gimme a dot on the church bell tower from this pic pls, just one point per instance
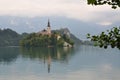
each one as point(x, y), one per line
point(48, 27)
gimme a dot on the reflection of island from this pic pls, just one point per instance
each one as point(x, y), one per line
point(47, 55)
point(8, 54)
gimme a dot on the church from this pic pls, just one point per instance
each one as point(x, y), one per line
point(46, 31)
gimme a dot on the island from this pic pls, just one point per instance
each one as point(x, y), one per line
point(48, 38)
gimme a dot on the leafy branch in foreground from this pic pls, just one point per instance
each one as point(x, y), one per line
point(114, 3)
point(112, 38)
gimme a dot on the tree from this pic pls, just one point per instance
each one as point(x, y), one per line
point(112, 38)
point(113, 3)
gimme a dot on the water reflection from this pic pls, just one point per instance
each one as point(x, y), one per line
point(79, 63)
point(47, 55)
point(8, 55)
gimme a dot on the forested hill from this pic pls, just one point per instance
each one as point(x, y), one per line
point(72, 36)
point(9, 37)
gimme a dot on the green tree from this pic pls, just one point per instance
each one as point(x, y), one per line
point(113, 3)
point(112, 38)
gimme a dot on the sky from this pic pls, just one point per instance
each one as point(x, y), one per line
point(77, 10)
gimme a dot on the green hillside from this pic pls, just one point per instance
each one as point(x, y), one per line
point(9, 37)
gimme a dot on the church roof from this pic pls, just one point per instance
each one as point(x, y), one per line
point(44, 30)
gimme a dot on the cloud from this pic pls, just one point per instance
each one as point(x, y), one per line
point(105, 23)
point(77, 9)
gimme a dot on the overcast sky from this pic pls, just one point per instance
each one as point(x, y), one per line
point(76, 9)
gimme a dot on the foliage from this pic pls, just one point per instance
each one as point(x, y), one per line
point(9, 38)
point(38, 40)
point(112, 38)
point(113, 3)
point(67, 39)
point(73, 38)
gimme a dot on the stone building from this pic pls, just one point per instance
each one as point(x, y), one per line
point(46, 31)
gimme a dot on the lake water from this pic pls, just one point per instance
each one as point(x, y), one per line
point(79, 63)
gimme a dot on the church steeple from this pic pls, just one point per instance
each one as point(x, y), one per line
point(48, 25)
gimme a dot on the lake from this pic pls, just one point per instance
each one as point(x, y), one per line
point(78, 63)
